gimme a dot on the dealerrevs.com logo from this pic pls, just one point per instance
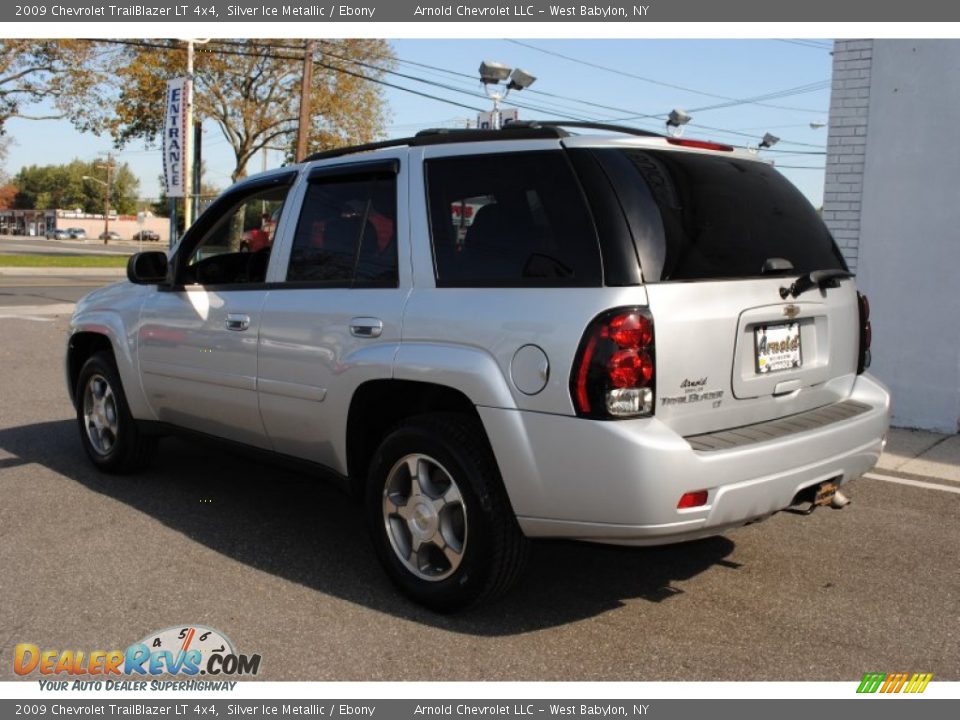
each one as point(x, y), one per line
point(894, 682)
point(188, 650)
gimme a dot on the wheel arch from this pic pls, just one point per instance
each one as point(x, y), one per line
point(104, 331)
point(379, 405)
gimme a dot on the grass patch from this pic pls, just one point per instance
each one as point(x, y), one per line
point(94, 261)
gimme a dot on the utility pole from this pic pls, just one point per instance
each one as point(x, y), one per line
point(303, 131)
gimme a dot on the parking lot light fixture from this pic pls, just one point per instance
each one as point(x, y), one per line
point(492, 74)
point(769, 140)
point(676, 120)
point(520, 80)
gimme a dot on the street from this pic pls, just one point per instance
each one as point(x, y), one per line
point(20, 245)
point(281, 563)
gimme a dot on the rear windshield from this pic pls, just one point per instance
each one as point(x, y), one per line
point(696, 216)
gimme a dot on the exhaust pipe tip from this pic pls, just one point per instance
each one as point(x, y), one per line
point(839, 501)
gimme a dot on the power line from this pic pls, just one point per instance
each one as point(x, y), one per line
point(522, 105)
point(673, 86)
point(812, 44)
point(804, 88)
point(274, 56)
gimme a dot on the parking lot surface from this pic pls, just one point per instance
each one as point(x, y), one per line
point(281, 564)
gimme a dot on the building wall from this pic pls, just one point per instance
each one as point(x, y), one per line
point(898, 216)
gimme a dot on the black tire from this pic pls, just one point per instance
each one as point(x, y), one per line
point(121, 447)
point(493, 548)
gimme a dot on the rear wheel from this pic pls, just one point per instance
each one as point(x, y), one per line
point(109, 434)
point(439, 515)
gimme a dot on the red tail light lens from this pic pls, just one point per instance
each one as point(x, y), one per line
point(692, 499)
point(614, 371)
point(866, 333)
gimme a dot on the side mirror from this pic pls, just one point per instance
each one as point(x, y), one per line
point(147, 268)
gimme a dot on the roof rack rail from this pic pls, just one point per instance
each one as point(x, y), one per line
point(351, 149)
point(587, 125)
point(440, 136)
point(518, 130)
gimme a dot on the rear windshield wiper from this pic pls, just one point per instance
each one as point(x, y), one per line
point(816, 278)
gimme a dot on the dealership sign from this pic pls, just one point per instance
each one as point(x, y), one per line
point(174, 133)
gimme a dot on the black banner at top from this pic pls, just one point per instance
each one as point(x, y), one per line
point(326, 11)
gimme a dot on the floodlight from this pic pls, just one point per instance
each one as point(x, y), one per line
point(769, 140)
point(678, 118)
point(520, 80)
point(492, 73)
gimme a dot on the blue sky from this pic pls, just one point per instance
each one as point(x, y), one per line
point(642, 77)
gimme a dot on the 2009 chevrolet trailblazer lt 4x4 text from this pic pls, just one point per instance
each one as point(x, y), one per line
point(497, 335)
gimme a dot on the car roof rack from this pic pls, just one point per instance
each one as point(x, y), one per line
point(519, 130)
point(588, 125)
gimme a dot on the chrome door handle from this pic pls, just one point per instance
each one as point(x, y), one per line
point(366, 327)
point(238, 322)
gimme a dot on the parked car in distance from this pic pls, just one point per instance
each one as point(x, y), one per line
point(76, 233)
point(57, 234)
point(146, 236)
point(109, 235)
point(631, 339)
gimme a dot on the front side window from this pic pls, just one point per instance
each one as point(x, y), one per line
point(514, 220)
point(347, 233)
point(236, 247)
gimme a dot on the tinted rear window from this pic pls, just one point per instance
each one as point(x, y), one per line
point(697, 216)
point(512, 219)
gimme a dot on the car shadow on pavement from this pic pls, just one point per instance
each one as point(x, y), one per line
point(306, 531)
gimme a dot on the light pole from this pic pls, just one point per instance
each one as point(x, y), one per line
point(493, 73)
point(106, 198)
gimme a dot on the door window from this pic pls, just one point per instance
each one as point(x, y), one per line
point(236, 246)
point(347, 233)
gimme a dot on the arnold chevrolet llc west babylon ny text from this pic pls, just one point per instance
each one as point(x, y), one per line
point(521, 11)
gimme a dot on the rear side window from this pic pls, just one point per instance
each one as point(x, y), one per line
point(347, 233)
point(510, 220)
point(696, 216)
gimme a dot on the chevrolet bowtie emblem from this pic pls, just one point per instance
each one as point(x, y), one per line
point(791, 311)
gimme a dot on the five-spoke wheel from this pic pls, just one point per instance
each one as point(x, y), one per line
point(439, 515)
point(425, 517)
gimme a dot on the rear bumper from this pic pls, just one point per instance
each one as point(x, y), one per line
point(619, 482)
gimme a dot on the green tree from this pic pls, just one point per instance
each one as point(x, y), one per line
point(65, 77)
point(64, 187)
point(251, 90)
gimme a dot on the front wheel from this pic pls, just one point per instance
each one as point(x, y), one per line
point(439, 516)
point(109, 434)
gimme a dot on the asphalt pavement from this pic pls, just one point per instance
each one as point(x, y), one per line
point(26, 245)
point(281, 564)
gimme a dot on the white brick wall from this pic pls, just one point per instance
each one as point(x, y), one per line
point(847, 143)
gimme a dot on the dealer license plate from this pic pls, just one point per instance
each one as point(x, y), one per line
point(777, 347)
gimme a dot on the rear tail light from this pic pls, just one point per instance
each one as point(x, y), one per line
point(866, 333)
point(614, 371)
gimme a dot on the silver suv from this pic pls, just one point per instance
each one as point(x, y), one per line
point(491, 336)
